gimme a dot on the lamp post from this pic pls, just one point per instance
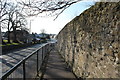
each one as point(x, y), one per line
point(0, 49)
point(30, 25)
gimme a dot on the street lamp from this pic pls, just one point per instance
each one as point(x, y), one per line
point(30, 25)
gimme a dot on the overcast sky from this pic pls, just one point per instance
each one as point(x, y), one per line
point(53, 27)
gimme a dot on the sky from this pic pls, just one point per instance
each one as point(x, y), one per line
point(52, 26)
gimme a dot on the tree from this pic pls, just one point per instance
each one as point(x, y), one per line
point(11, 12)
point(35, 7)
point(3, 11)
point(3, 4)
point(43, 32)
point(29, 8)
point(11, 17)
point(19, 23)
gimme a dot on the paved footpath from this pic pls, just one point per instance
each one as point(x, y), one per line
point(57, 68)
point(12, 58)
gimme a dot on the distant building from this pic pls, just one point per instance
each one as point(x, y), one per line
point(21, 35)
point(52, 36)
point(40, 37)
point(29, 38)
point(3, 35)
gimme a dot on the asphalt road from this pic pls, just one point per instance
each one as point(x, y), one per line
point(11, 59)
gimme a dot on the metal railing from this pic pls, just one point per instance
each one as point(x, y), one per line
point(29, 67)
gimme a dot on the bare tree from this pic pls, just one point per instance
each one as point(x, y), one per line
point(11, 17)
point(19, 23)
point(3, 12)
point(12, 12)
point(43, 32)
point(50, 7)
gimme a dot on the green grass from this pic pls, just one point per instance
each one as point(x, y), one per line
point(15, 43)
point(12, 44)
point(7, 41)
point(8, 44)
point(1, 45)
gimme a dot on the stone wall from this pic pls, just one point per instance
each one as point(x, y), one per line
point(90, 43)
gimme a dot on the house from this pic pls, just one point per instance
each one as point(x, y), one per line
point(52, 36)
point(30, 38)
point(3, 35)
point(21, 35)
point(40, 37)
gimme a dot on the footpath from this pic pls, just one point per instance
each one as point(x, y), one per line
point(57, 69)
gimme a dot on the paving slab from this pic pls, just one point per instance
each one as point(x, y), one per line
point(57, 68)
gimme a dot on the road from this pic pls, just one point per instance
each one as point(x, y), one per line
point(11, 59)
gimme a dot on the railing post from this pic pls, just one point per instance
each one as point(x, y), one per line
point(42, 54)
point(45, 50)
point(24, 72)
point(37, 62)
point(49, 47)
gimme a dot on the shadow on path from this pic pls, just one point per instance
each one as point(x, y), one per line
point(57, 68)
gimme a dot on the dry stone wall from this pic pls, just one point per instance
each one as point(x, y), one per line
point(90, 43)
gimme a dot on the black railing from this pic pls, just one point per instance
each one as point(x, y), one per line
point(29, 67)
